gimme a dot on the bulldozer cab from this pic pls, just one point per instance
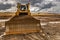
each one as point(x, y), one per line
point(23, 9)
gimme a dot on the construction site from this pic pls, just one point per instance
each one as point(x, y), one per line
point(24, 25)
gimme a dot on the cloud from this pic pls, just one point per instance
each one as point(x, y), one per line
point(36, 5)
point(47, 6)
point(4, 7)
point(23, 1)
point(7, 5)
point(42, 5)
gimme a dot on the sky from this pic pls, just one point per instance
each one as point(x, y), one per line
point(35, 5)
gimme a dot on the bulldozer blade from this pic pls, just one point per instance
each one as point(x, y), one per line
point(22, 25)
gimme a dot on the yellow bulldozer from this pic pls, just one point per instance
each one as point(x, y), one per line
point(22, 22)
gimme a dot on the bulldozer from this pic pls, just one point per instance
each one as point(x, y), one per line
point(22, 22)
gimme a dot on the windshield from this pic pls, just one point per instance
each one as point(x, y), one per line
point(23, 7)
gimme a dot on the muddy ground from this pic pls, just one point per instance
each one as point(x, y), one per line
point(50, 26)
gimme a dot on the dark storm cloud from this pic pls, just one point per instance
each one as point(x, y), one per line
point(5, 6)
point(6, 0)
point(33, 2)
point(23, 1)
point(48, 6)
point(58, 0)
